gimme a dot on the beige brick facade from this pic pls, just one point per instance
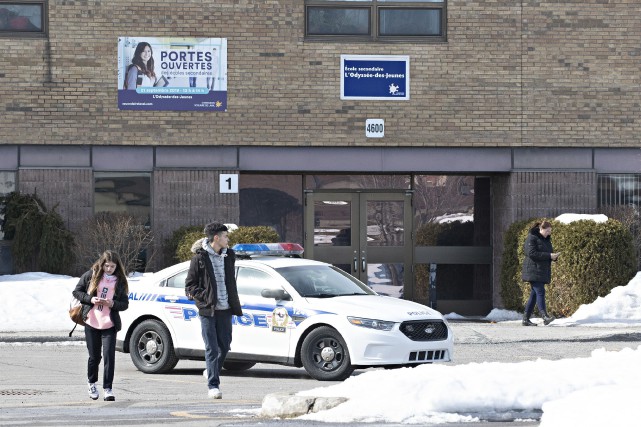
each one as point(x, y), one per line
point(528, 73)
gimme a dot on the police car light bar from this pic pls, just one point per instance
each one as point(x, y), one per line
point(273, 249)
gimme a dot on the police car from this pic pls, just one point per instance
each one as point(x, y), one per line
point(296, 312)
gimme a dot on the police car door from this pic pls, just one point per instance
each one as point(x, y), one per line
point(265, 327)
point(181, 313)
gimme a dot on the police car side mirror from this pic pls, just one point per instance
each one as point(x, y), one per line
point(278, 294)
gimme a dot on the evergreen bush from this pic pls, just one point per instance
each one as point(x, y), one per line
point(41, 242)
point(595, 257)
point(187, 240)
point(173, 245)
point(510, 291)
point(253, 234)
point(243, 234)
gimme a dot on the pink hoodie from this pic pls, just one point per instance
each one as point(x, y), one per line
point(99, 315)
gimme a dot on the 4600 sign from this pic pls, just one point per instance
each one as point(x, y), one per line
point(374, 128)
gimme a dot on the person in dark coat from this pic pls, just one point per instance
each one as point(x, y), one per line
point(104, 293)
point(537, 269)
point(211, 283)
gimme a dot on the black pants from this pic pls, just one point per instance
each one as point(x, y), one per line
point(97, 340)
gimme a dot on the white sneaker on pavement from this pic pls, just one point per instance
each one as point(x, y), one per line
point(109, 395)
point(93, 391)
point(215, 393)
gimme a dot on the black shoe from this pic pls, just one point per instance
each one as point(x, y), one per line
point(548, 319)
point(526, 322)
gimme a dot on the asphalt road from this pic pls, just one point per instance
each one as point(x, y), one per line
point(43, 381)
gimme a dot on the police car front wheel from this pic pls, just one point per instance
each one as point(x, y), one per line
point(151, 348)
point(325, 356)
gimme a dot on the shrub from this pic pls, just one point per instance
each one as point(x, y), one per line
point(629, 216)
point(595, 257)
point(253, 234)
point(183, 250)
point(120, 232)
point(41, 241)
point(173, 245)
point(511, 292)
point(244, 234)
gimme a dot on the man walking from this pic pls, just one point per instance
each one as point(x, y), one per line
point(211, 283)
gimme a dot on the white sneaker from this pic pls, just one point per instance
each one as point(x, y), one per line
point(93, 391)
point(215, 393)
point(109, 395)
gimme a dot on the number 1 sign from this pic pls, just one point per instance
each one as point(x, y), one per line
point(229, 183)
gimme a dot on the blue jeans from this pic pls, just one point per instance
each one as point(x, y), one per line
point(537, 295)
point(216, 332)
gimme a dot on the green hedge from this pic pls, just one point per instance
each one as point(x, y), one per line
point(41, 242)
point(595, 257)
point(181, 241)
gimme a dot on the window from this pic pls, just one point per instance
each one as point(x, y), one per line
point(252, 282)
point(23, 18)
point(177, 281)
point(123, 192)
point(275, 201)
point(376, 20)
point(7, 185)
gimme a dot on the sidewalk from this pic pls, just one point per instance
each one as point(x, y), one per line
point(470, 332)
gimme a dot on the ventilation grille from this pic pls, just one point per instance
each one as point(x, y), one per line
point(424, 330)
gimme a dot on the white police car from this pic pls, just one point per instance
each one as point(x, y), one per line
point(296, 312)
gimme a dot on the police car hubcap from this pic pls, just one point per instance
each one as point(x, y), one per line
point(328, 354)
point(151, 347)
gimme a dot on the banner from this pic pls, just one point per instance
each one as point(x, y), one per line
point(375, 77)
point(172, 73)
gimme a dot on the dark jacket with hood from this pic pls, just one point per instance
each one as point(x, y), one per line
point(200, 283)
point(121, 299)
point(537, 265)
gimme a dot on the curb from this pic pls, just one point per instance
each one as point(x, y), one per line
point(41, 337)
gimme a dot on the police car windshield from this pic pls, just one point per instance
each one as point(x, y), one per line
point(323, 281)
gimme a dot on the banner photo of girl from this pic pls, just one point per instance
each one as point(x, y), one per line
point(172, 73)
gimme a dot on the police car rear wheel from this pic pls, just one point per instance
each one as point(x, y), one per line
point(325, 356)
point(238, 366)
point(152, 349)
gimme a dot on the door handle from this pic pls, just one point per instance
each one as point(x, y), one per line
point(355, 263)
point(363, 263)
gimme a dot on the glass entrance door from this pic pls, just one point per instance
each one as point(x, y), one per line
point(366, 234)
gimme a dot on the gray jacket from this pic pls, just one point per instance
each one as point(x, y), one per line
point(537, 265)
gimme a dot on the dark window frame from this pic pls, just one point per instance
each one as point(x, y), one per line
point(375, 7)
point(44, 10)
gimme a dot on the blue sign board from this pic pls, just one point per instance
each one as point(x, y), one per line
point(375, 77)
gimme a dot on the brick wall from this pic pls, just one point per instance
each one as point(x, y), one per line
point(183, 197)
point(531, 73)
point(70, 191)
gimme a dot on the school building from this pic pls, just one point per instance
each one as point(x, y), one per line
point(395, 139)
